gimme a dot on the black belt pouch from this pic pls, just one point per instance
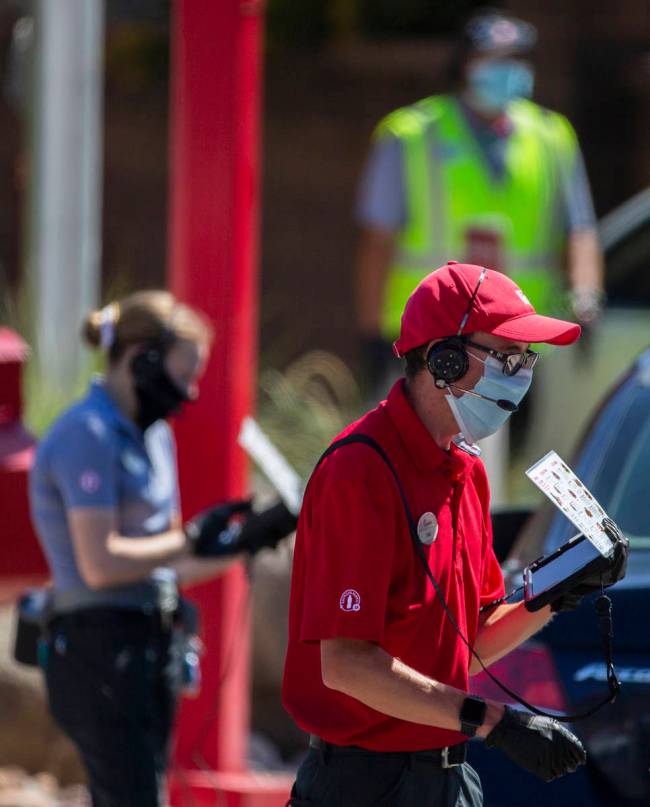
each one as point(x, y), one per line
point(32, 611)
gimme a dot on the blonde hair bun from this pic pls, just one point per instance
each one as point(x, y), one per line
point(144, 316)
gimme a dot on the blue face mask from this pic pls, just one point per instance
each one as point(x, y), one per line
point(478, 418)
point(493, 85)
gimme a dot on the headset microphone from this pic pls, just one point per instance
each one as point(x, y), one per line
point(502, 403)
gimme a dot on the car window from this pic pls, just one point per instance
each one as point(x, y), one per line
point(615, 465)
point(630, 500)
point(627, 277)
point(625, 237)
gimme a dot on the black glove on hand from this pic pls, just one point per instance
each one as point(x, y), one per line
point(214, 532)
point(619, 566)
point(568, 602)
point(267, 529)
point(217, 533)
point(540, 745)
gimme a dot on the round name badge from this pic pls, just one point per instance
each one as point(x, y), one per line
point(427, 528)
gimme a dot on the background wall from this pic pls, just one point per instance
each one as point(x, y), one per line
point(334, 67)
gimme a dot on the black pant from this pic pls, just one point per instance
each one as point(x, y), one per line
point(370, 779)
point(113, 678)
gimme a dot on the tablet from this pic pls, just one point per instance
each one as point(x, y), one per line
point(550, 577)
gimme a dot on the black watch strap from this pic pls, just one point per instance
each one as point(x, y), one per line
point(472, 715)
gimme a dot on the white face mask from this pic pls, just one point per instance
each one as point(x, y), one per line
point(477, 417)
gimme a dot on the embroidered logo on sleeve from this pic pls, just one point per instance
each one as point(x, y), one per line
point(350, 600)
point(90, 481)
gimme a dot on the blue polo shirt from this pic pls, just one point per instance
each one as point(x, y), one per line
point(94, 456)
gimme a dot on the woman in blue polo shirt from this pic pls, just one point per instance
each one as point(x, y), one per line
point(104, 498)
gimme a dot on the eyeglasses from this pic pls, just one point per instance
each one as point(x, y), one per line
point(512, 362)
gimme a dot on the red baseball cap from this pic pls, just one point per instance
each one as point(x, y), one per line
point(439, 304)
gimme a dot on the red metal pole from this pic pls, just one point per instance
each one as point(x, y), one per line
point(213, 255)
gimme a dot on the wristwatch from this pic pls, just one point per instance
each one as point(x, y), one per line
point(472, 715)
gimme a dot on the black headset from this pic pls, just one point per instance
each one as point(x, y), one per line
point(146, 363)
point(447, 361)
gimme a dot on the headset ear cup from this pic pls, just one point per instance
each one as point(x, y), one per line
point(448, 361)
point(147, 362)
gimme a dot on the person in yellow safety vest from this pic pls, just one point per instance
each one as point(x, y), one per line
point(482, 175)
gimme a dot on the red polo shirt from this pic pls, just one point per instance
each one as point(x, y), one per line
point(356, 574)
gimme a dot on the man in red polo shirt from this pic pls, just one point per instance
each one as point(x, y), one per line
point(376, 671)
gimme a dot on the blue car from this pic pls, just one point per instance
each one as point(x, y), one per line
point(563, 669)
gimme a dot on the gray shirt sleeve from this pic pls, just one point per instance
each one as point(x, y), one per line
point(83, 464)
point(576, 196)
point(381, 198)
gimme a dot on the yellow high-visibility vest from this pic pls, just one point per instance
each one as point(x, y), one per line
point(450, 192)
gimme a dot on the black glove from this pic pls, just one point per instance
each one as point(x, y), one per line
point(215, 532)
point(232, 527)
point(567, 602)
point(570, 601)
point(618, 568)
point(540, 745)
point(267, 529)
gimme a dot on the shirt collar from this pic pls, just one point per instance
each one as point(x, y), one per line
point(500, 127)
point(102, 400)
point(422, 449)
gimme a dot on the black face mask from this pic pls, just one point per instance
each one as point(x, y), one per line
point(157, 395)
